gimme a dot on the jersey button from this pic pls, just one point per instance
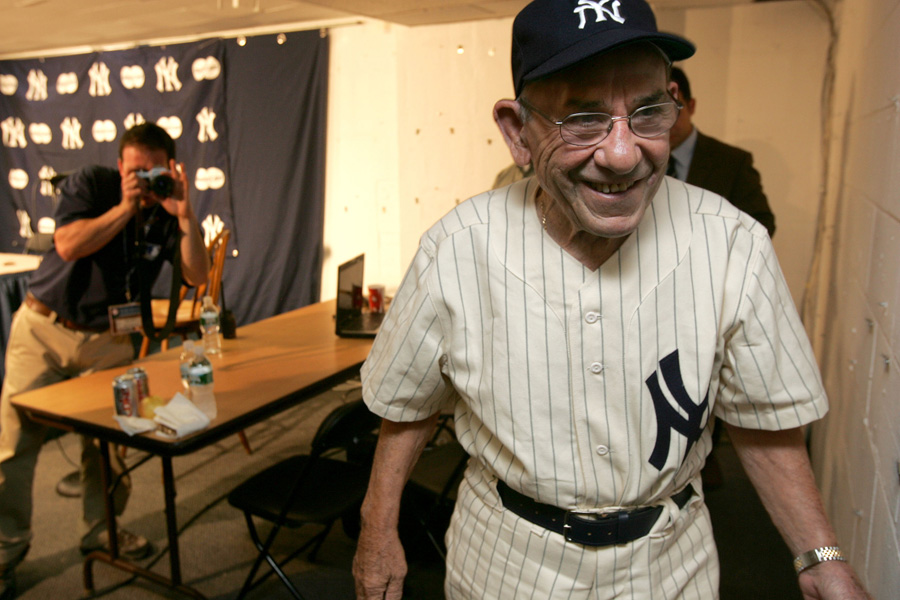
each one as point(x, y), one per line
point(596, 368)
point(602, 450)
point(592, 317)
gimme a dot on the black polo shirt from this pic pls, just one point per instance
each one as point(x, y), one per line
point(83, 289)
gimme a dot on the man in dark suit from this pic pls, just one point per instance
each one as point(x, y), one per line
point(713, 165)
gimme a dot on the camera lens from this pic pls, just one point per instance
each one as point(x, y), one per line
point(162, 186)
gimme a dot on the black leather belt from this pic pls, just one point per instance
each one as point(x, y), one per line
point(589, 529)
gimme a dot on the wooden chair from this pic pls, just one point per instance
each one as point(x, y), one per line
point(187, 319)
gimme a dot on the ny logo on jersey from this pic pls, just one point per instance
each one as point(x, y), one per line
point(667, 416)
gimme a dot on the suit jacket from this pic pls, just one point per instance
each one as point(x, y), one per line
point(728, 171)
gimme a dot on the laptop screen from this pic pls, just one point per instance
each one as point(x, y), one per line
point(351, 320)
point(350, 282)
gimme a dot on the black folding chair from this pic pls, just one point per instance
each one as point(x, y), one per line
point(308, 488)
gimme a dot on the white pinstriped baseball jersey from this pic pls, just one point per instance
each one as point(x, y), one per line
point(585, 388)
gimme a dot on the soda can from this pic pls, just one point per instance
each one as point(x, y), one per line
point(376, 298)
point(143, 384)
point(126, 394)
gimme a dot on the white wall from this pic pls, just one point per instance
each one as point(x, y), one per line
point(410, 133)
point(362, 177)
point(856, 295)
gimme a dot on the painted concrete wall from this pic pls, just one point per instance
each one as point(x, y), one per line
point(854, 312)
point(410, 134)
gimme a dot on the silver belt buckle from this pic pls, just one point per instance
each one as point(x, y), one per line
point(567, 527)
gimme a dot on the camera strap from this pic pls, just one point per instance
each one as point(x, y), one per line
point(150, 331)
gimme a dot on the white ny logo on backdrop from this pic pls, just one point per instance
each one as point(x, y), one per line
point(24, 224)
point(37, 85)
point(212, 226)
point(71, 130)
point(206, 119)
point(99, 75)
point(167, 75)
point(13, 132)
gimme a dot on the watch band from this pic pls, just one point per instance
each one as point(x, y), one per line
point(816, 556)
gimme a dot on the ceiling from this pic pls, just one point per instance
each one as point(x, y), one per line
point(52, 27)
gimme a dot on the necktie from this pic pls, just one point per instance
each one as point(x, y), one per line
point(671, 169)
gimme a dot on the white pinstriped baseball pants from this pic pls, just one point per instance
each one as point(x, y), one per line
point(494, 554)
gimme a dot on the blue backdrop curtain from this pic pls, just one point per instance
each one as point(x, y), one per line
point(276, 105)
point(249, 124)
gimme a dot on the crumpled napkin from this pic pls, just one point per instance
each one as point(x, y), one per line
point(180, 417)
point(134, 425)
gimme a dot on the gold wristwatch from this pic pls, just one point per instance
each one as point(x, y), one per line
point(816, 556)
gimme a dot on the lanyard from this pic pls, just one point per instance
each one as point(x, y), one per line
point(135, 249)
point(141, 229)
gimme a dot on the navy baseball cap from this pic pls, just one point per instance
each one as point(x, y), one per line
point(551, 35)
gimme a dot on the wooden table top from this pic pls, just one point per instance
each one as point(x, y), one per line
point(271, 365)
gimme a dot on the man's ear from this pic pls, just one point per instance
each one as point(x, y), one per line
point(672, 88)
point(506, 115)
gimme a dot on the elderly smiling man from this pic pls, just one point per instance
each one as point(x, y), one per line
point(585, 325)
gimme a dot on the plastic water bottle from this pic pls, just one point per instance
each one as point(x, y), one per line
point(209, 325)
point(200, 374)
point(184, 364)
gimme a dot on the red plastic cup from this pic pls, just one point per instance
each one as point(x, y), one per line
point(376, 298)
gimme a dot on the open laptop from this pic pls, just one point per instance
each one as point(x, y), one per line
point(351, 320)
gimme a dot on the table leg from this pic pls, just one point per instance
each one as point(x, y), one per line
point(111, 527)
point(112, 557)
point(171, 520)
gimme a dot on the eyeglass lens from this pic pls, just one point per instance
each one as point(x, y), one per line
point(587, 129)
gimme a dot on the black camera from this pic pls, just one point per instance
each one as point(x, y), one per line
point(157, 182)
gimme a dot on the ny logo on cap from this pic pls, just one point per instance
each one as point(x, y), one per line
point(600, 10)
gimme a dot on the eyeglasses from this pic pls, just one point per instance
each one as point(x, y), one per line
point(591, 128)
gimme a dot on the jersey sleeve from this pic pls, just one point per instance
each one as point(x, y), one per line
point(402, 376)
point(769, 377)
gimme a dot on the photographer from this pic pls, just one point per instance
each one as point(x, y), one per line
point(114, 230)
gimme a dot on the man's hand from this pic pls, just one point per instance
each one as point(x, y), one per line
point(831, 580)
point(379, 566)
point(133, 190)
point(178, 205)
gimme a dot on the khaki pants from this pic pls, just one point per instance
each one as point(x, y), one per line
point(41, 352)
